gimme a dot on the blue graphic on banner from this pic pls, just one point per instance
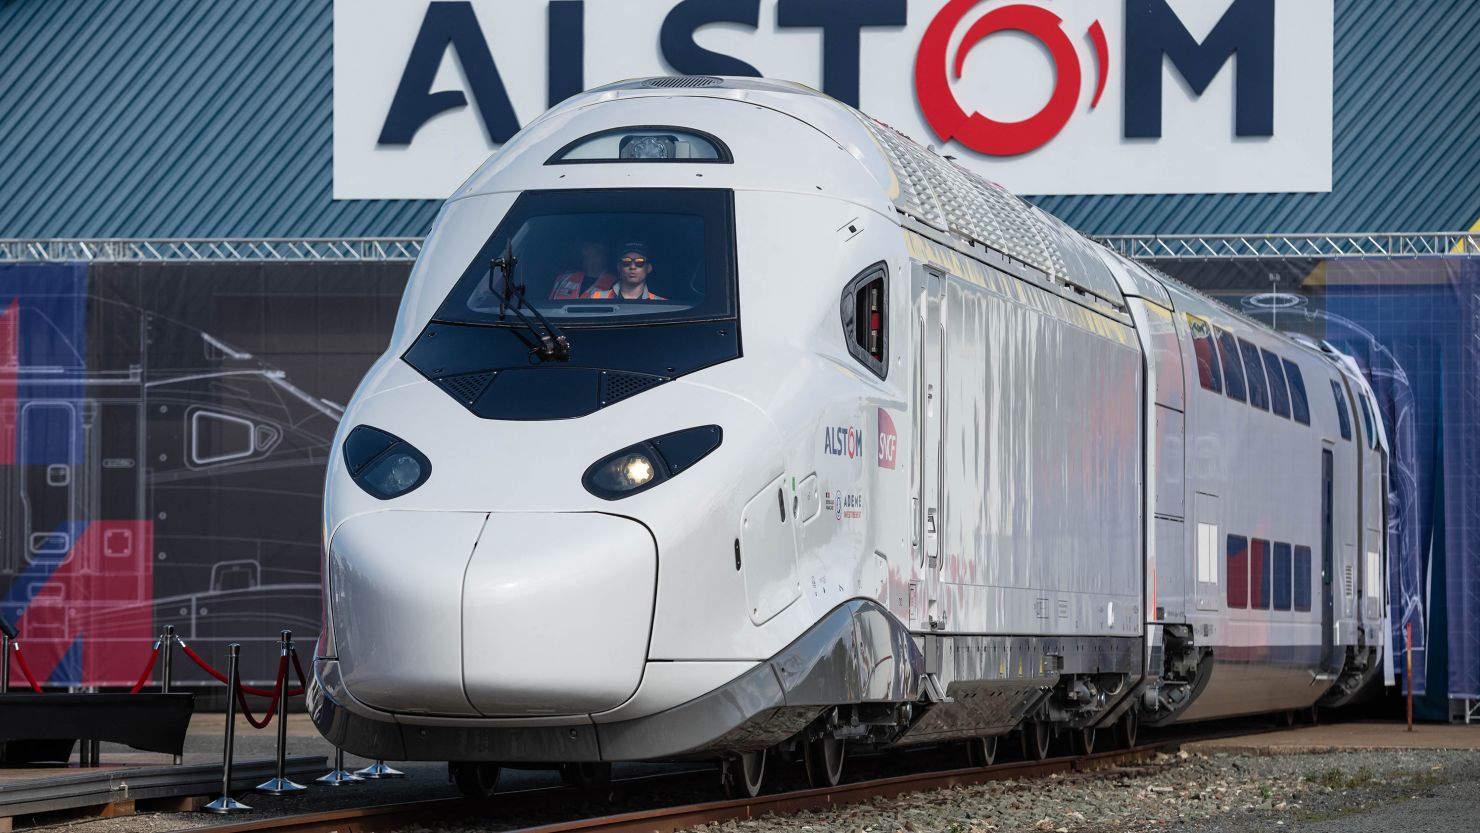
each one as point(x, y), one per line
point(1413, 324)
point(47, 305)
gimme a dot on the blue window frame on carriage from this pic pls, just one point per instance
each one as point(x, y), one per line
point(574, 250)
point(865, 312)
point(1282, 576)
point(1233, 367)
point(1238, 571)
point(1299, 401)
point(1342, 414)
point(1369, 426)
point(1259, 574)
point(644, 144)
point(1254, 372)
point(1302, 578)
point(1279, 392)
point(1206, 352)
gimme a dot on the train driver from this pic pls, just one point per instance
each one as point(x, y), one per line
point(576, 283)
point(632, 271)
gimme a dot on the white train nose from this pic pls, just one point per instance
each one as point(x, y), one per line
point(512, 614)
point(557, 609)
point(395, 600)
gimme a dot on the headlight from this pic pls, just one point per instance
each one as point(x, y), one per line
point(383, 464)
point(642, 466)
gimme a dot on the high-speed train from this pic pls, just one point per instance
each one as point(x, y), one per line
point(720, 418)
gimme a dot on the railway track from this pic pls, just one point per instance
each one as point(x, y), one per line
point(393, 817)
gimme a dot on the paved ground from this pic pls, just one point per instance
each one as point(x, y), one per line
point(1342, 736)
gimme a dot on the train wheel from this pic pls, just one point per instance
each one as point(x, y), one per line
point(981, 751)
point(743, 775)
point(1084, 741)
point(824, 758)
point(595, 776)
point(1313, 715)
point(1287, 718)
point(1037, 736)
point(474, 780)
point(1128, 727)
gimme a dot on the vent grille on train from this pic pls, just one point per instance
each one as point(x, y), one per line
point(1347, 579)
point(467, 387)
point(618, 386)
point(676, 82)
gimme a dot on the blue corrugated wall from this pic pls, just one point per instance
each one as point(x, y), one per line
point(213, 119)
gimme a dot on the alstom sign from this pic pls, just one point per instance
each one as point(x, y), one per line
point(1044, 96)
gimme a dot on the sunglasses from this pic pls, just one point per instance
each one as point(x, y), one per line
point(639, 262)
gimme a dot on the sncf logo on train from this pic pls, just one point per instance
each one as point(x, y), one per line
point(1043, 96)
point(888, 440)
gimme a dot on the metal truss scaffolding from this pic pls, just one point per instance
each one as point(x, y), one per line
point(393, 249)
point(235, 250)
point(1284, 246)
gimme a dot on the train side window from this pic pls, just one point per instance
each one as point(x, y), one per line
point(1233, 368)
point(1282, 575)
point(1238, 571)
point(1302, 578)
point(1299, 401)
point(865, 311)
point(1342, 414)
point(1207, 354)
point(1368, 424)
point(1254, 367)
point(1279, 392)
point(1259, 574)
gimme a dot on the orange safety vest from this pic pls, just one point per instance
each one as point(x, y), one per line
point(568, 285)
point(614, 292)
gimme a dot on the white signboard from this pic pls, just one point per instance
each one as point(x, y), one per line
point(1060, 97)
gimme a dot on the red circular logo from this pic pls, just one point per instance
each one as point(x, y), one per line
point(976, 131)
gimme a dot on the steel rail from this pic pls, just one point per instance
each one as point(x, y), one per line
point(391, 817)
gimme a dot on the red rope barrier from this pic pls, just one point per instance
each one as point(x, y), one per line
point(148, 671)
point(241, 699)
point(206, 667)
point(20, 659)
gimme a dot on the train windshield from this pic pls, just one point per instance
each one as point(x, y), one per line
point(604, 258)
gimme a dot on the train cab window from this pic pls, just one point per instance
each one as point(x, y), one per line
point(1238, 571)
point(865, 318)
point(643, 144)
point(1279, 392)
point(1299, 401)
point(1206, 351)
point(1254, 367)
point(1282, 576)
point(603, 258)
point(1368, 425)
point(1259, 574)
point(1302, 578)
point(1233, 368)
point(1342, 414)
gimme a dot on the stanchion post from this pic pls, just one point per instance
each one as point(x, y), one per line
point(279, 784)
point(227, 804)
point(379, 770)
point(5, 664)
point(340, 776)
point(1408, 676)
point(167, 672)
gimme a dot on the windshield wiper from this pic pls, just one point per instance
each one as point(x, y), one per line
point(552, 342)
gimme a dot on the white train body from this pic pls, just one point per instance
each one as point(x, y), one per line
point(1015, 503)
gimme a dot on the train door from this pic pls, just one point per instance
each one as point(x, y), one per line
point(47, 438)
point(1330, 660)
point(929, 352)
